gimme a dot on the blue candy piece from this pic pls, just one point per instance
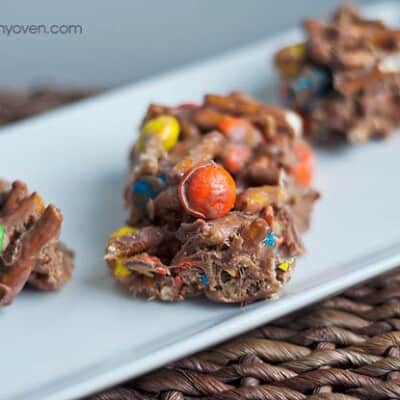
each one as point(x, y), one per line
point(163, 178)
point(302, 83)
point(308, 87)
point(270, 240)
point(144, 188)
point(204, 280)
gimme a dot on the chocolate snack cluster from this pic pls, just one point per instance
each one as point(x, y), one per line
point(217, 195)
point(345, 78)
point(16, 105)
point(30, 250)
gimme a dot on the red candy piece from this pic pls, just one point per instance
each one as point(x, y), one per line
point(304, 170)
point(207, 191)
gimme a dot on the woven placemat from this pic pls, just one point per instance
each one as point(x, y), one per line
point(345, 348)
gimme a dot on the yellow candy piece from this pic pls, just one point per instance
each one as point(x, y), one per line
point(286, 264)
point(39, 203)
point(124, 230)
point(167, 128)
point(120, 271)
point(290, 60)
point(231, 271)
point(256, 198)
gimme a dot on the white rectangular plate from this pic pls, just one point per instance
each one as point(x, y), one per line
point(92, 334)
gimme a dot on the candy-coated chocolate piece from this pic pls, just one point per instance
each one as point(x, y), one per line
point(120, 271)
point(149, 186)
point(237, 129)
point(229, 124)
point(167, 128)
point(303, 171)
point(144, 188)
point(235, 156)
point(233, 272)
point(303, 90)
point(255, 199)
point(270, 240)
point(207, 191)
point(124, 230)
point(40, 203)
point(285, 265)
point(163, 178)
point(2, 238)
point(290, 60)
point(204, 280)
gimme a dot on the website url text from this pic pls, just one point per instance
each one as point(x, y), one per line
point(33, 29)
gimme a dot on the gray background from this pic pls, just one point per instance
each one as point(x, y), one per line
point(124, 41)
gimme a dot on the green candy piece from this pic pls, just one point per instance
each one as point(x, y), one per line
point(2, 237)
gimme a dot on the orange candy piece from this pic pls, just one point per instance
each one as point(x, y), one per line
point(234, 127)
point(229, 124)
point(207, 191)
point(303, 171)
point(235, 157)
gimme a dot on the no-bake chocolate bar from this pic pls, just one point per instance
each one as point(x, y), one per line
point(345, 78)
point(216, 197)
point(30, 250)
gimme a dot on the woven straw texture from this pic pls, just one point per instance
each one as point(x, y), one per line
point(345, 348)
